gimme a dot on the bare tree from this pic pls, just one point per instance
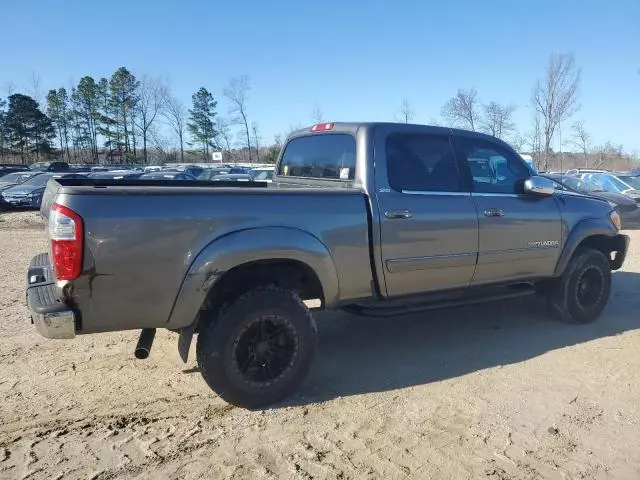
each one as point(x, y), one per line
point(518, 142)
point(581, 139)
point(152, 97)
point(292, 128)
point(175, 114)
point(607, 154)
point(534, 137)
point(498, 119)
point(555, 98)
point(10, 88)
point(36, 90)
point(316, 114)
point(406, 113)
point(161, 145)
point(224, 131)
point(462, 110)
point(256, 139)
point(236, 93)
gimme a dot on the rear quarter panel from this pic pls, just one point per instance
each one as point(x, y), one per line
point(139, 246)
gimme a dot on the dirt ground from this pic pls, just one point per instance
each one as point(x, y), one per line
point(497, 391)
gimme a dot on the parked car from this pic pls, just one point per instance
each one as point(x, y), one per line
point(624, 205)
point(50, 166)
point(632, 182)
point(233, 177)
point(29, 193)
point(262, 174)
point(193, 170)
point(6, 170)
point(16, 178)
point(210, 173)
point(610, 182)
point(166, 175)
point(581, 171)
point(405, 228)
point(114, 175)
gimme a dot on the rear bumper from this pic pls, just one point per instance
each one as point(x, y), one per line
point(51, 316)
point(619, 245)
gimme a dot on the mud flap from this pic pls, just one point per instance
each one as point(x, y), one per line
point(184, 341)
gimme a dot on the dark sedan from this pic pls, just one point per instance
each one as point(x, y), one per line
point(16, 178)
point(29, 194)
point(624, 205)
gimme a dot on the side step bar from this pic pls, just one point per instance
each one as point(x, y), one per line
point(383, 309)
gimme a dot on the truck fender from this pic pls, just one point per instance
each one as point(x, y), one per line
point(246, 246)
point(582, 230)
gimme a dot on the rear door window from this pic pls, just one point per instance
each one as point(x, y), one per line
point(421, 163)
point(326, 156)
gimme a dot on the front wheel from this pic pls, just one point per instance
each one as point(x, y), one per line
point(583, 291)
point(260, 348)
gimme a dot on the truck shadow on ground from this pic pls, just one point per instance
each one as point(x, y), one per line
point(361, 355)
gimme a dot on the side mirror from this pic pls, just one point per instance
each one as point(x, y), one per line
point(539, 186)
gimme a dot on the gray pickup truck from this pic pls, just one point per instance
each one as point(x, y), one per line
point(375, 219)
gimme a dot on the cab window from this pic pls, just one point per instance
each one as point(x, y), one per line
point(326, 156)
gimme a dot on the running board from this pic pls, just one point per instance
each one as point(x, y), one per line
point(383, 309)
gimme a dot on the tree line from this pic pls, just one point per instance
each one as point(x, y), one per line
point(124, 117)
point(554, 101)
point(130, 119)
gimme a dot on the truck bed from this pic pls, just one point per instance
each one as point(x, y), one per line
point(142, 237)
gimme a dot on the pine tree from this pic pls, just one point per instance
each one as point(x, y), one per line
point(123, 88)
point(87, 101)
point(201, 123)
point(106, 116)
point(58, 112)
point(27, 128)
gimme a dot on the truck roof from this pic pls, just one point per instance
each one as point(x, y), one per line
point(352, 127)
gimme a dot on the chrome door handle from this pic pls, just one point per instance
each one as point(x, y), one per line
point(397, 214)
point(494, 212)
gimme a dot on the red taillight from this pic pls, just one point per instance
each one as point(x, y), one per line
point(322, 127)
point(65, 232)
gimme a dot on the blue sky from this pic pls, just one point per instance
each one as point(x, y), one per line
point(356, 59)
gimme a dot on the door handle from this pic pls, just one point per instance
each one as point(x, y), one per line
point(494, 212)
point(397, 214)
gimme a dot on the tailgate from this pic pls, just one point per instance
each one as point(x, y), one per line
point(48, 198)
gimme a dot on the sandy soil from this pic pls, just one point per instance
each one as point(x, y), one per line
point(497, 391)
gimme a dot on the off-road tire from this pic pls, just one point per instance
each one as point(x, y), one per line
point(569, 299)
point(221, 342)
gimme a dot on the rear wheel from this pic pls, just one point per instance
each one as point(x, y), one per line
point(581, 294)
point(260, 348)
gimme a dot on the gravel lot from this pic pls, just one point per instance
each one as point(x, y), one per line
point(497, 391)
